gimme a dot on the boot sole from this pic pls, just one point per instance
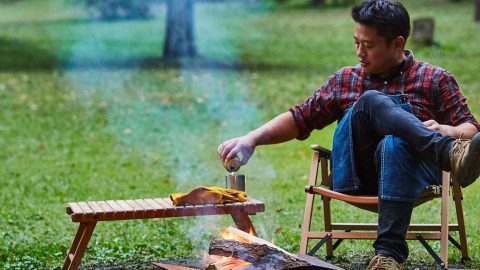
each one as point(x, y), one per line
point(471, 169)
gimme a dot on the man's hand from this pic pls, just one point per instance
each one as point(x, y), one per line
point(280, 129)
point(243, 147)
point(465, 130)
point(434, 125)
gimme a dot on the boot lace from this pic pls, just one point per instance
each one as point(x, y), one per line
point(459, 145)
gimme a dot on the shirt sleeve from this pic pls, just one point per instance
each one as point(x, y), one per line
point(318, 111)
point(453, 108)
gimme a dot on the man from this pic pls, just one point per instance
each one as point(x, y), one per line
point(402, 121)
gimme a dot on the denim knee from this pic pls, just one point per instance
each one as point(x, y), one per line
point(371, 99)
point(403, 172)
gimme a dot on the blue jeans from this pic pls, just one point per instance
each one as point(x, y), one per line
point(379, 147)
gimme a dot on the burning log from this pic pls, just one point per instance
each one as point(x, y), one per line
point(260, 253)
point(226, 264)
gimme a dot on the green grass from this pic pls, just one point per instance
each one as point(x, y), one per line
point(79, 124)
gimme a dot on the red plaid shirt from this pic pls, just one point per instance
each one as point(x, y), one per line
point(433, 93)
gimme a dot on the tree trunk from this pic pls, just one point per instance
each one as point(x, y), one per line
point(179, 38)
point(423, 31)
point(317, 2)
point(477, 10)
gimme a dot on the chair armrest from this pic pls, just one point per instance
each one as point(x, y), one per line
point(340, 196)
point(323, 152)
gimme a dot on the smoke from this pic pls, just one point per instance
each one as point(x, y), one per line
point(178, 116)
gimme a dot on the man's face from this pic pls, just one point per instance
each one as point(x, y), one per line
point(372, 51)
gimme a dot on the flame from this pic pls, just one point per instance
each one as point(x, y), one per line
point(226, 263)
point(244, 238)
point(228, 235)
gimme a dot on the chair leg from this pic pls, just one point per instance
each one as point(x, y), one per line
point(457, 197)
point(307, 222)
point(444, 218)
point(328, 225)
point(79, 244)
point(307, 216)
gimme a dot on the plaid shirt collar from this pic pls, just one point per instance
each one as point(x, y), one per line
point(401, 68)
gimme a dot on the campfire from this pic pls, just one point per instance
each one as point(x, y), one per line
point(216, 262)
point(246, 251)
point(238, 250)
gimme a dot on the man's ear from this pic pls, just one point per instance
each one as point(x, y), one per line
point(399, 42)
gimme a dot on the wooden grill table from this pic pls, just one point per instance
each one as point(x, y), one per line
point(89, 213)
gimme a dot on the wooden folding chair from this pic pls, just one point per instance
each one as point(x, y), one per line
point(320, 167)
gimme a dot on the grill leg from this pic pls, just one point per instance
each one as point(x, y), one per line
point(79, 244)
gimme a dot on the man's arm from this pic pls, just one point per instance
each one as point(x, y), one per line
point(465, 130)
point(280, 129)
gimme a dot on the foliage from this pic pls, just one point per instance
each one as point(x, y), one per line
point(84, 118)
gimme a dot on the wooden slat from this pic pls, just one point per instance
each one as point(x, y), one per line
point(154, 208)
point(95, 207)
point(168, 202)
point(74, 208)
point(99, 214)
point(164, 204)
point(258, 207)
point(139, 212)
point(158, 210)
point(125, 206)
point(86, 216)
point(85, 208)
point(108, 210)
point(117, 208)
point(154, 204)
point(129, 212)
point(169, 211)
point(134, 205)
point(119, 211)
point(149, 210)
point(144, 205)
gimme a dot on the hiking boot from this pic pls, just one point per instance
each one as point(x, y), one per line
point(382, 262)
point(465, 160)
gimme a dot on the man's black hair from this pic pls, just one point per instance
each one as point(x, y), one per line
point(389, 18)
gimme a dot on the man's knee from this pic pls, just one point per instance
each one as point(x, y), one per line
point(370, 98)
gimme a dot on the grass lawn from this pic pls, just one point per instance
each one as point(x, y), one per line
point(79, 124)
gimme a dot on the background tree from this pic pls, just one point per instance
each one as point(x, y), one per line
point(179, 38)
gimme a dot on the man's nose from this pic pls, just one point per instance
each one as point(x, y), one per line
point(360, 51)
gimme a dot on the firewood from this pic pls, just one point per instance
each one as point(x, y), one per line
point(260, 255)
